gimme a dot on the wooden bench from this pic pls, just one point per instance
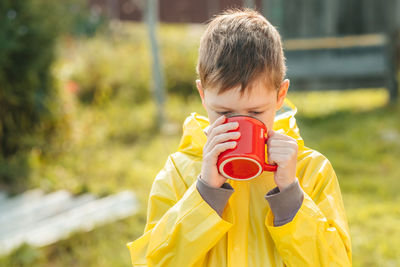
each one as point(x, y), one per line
point(366, 61)
point(40, 219)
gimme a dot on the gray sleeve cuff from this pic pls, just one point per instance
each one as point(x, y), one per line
point(285, 204)
point(217, 198)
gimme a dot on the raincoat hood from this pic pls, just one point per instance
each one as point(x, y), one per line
point(194, 138)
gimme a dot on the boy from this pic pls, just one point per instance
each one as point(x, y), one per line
point(196, 217)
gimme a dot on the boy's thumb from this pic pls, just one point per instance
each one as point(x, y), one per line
point(270, 133)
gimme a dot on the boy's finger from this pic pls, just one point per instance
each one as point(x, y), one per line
point(276, 142)
point(224, 137)
point(218, 149)
point(222, 129)
point(277, 135)
point(217, 122)
point(270, 133)
point(216, 132)
point(282, 137)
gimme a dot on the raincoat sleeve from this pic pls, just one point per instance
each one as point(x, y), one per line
point(318, 235)
point(181, 227)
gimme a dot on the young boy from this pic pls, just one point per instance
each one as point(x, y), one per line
point(196, 217)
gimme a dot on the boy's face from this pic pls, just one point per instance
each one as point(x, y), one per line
point(259, 102)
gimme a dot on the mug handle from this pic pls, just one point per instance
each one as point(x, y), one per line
point(269, 167)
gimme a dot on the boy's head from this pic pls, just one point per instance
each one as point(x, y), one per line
point(241, 54)
point(238, 47)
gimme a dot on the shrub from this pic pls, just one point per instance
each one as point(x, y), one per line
point(28, 102)
point(31, 109)
point(179, 45)
point(118, 62)
point(109, 65)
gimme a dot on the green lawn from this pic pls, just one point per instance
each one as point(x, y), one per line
point(362, 140)
point(111, 145)
point(113, 148)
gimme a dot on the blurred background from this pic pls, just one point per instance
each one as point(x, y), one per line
point(93, 95)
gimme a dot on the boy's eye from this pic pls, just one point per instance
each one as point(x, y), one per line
point(256, 112)
point(224, 112)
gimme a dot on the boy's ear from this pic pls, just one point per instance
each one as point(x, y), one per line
point(282, 93)
point(201, 91)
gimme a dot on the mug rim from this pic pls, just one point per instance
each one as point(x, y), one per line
point(222, 165)
point(231, 116)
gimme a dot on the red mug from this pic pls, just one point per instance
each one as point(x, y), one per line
point(247, 160)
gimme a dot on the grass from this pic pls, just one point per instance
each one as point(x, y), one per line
point(362, 140)
point(112, 146)
point(107, 155)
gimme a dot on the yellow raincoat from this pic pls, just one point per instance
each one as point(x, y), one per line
point(183, 230)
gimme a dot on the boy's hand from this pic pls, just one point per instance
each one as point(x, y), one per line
point(282, 150)
point(217, 142)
